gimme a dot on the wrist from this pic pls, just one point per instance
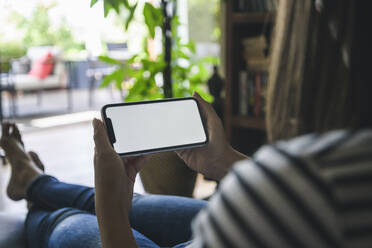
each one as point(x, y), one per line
point(117, 233)
point(114, 225)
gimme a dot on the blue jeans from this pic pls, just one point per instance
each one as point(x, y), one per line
point(63, 215)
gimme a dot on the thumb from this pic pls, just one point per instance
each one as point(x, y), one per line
point(101, 139)
point(205, 106)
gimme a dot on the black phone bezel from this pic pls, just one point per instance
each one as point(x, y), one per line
point(112, 137)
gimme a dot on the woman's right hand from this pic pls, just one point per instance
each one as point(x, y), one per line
point(215, 159)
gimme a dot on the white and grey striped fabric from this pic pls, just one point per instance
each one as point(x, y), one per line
point(311, 191)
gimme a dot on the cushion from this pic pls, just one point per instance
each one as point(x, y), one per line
point(12, 230)
point(27, 82)
point(43, 66)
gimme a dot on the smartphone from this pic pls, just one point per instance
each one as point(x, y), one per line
point(145, 127)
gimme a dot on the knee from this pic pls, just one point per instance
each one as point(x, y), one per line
point(79, 230)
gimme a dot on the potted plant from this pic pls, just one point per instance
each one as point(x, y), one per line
point(173, 73)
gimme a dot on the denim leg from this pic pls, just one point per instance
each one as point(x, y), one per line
point(182, 245)
point(40, 224)
point(48, 192)
point(166, 220)
point(68, 227)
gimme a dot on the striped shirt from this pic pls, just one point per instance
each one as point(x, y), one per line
point(311, 191)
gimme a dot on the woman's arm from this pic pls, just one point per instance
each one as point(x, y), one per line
point(113, 224)
point(114, 180)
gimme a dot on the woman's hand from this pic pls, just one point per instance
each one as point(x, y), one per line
point(114, 181)
point(216, 159)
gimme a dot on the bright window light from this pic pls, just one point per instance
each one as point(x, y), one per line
point(66, 119)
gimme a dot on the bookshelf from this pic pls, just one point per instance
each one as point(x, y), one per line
point(248, 122)
point(246, 131)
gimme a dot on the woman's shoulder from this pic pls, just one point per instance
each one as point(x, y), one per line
point(328, 144)
point(273, 193)
point(314, 156)
point(309, 163)
point(315, 166)
point(288, 187)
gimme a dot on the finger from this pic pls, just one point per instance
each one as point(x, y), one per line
point(95, 157)
point(101, 139)
point(205, 106)
point(137, 159)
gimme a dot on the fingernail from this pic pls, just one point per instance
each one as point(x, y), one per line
point(196, 94)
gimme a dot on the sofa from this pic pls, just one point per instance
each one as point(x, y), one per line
point(20, 80)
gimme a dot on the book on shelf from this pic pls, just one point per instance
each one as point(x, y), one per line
point(253, 79)
point(243, 93)
point(252, 92)
point(255, 53)
point(257, 94)
point(256, 5)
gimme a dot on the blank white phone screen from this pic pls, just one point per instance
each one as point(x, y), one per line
point(148, 126)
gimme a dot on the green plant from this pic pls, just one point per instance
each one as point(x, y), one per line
point(38, 29)
point(174, 73)
point(8, 51)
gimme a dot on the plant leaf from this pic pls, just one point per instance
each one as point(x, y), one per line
point(126, 4)
point(109, 60)
point(107, 80)
point(116, 7)
point(117, 76)
point(93, 2)
point(191, 46)
point(153, 18)
point(106, 8)
point(131, 15)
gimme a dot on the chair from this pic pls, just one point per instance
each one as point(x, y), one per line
point(23, 82)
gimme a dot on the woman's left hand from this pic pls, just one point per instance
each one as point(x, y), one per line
point(113, 174)
point(114, 181)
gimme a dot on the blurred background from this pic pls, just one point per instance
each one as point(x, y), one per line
point(62, 60)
